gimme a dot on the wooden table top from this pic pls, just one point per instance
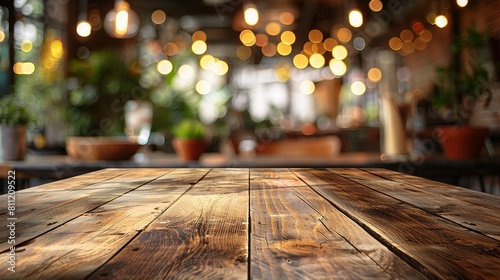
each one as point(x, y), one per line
point(250, 223)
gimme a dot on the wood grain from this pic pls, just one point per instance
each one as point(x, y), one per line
point(59, 208)
point(80, 246)
point(426, 195)
point(202, 236)
point(437, 247)
point(298, 235)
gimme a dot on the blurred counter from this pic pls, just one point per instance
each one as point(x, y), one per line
point(45, 168)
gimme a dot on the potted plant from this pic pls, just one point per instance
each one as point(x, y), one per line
point(460, 87)
point(13, 120)
point(189, 139)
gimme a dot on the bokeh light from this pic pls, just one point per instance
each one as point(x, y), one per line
point(199, 47)
point(374, 75)
point(288, 37)
point(317, 60)
point(273, 28)
point(164, 67)
point(186, 71)
point(300, 61)
point(307, 87)
point(203, 87)
point(158, 17)
point(339, 52)
point(358, 88)
point(338, 67)
point(315, 36)
point(355, 18)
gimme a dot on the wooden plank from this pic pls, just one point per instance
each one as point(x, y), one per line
point(77, 248)
point(437, 247)
point(482, 199)
point(201, 236)
point(297, 234)
point(421, 194)
point(33, 221)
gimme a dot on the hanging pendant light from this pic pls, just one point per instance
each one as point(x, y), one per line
point(122, 21)
point(83, 28)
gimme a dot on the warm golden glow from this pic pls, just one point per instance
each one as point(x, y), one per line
point(395, 43)
point(358, 88)
point(339, 52)
point(199, 47)
point(24, 68)
point(420, 44)
point(406, 35)
point(462, 3)
point(2, 36)
point(376, 5)
point(199, 36)
point(317, 60)
point(355, 18)
point(83, 28)
point(207, 61)
point(300, 61)
point(431, 18)
point(282, 74)
point(374, 75)
point(288, 37)
point(308, 47)
point(243, 52)
point(273, 28)
point(269, 50)
point(164, 67)
point(441, 21)
point(284, 49)
point(261, 39)
point(186, 71)
point(158, 17)
point(338, 67)
point(426, 35)
point(247, 37)
point(171, 49)
point(251, 15)
point(329, 44)
point(408, 47)
point(56, 48)
point(26, 46)
point(315, 36)
point(344, 35)
point(307, 87)
point(203, 87)
point(220, 68)
point(287, 18)
point(121, 23)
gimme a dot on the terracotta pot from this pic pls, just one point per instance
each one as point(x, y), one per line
point(189, 149)
point(462, 142)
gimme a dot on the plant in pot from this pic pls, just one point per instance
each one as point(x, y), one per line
point(13, 120)
point(460, 87)
point(189, 139)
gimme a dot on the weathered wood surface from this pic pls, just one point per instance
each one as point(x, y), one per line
point(252, 223)
point(202, 236)
point(436, 246)
point(297, 234)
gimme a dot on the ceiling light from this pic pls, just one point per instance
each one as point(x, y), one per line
point(251, 15)
point(122, 21)
point(355, 18)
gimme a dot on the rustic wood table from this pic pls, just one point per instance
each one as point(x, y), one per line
point(298, 223)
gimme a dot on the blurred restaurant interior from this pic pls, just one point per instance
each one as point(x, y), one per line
point(274, 83)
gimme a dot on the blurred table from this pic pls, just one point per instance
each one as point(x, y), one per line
point(238, 223)
point(55, 167)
